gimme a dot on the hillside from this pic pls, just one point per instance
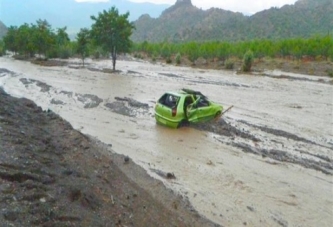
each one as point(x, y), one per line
point(185, 22)
point(3, 29)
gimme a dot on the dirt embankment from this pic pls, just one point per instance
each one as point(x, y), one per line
point(52, 175)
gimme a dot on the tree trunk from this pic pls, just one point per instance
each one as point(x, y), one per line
point(114, 58)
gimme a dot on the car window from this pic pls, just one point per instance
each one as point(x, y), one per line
point(169, 100)
point(202, 102)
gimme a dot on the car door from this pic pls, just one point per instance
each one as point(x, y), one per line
point(200, 110)
point(192, 112)
point(204, 109)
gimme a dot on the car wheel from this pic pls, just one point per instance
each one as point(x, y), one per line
point(183, 123)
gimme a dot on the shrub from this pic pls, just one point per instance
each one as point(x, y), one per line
point(178, 59)
point(2, 48)
point(64, 52)
point(247, 61)
point(229, 64)
point(97, 54)
point(138, 55)
point(168, 60)
point(330, 72)
point(153, 58)
point(53, 53)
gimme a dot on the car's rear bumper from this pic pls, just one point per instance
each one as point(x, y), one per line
point(164, 121)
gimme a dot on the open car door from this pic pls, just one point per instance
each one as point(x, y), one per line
point(192, 111)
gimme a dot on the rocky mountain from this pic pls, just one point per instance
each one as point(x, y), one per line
point(3, 29)
point(185, 22)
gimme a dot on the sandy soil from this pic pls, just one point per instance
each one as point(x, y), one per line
point(268, 162)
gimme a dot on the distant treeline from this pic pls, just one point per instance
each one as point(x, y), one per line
point(318, 47)
point(40, 38)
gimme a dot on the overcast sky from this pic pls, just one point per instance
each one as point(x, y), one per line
point(243, 6)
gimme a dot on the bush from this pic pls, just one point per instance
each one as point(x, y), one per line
point(97, 54)
point(2, 48)
point(53, 53)
point(168, 60)
point(138, 55)
point(64, 52)
point(229, 64)
point(247, 61)
point(178, 59)
point(330, 72)
point(153, 57)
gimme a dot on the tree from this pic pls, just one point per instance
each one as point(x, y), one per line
point(192, 51)
point(10, 39)
point(23, 40)
point(2, 48)
point(43, 37)
point(247, 61)
point(82, 43)
point(62, 37)
point(112, 30)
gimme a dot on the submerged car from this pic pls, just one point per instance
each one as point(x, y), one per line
point(177, 109)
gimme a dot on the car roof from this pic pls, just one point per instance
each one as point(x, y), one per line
point(177, 93)
point(193, 92)
point(185, 91)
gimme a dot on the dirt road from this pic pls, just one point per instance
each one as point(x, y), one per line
point(269, 162)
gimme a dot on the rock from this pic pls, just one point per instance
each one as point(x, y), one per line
point(170, 176)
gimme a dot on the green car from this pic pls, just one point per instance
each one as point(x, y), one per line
point(177, 109)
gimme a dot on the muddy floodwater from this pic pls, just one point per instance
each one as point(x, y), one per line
point(267, 162)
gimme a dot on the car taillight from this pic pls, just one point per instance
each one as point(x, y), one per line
point(174, 112)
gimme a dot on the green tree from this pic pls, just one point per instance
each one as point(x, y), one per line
point(326, 46)
point(43, 37)
point(223, 50)
point(247, 61)
point(165, 51)
point(24, 42)
point(83, 43)
point(2, 47)
point(192, 51)
point(62, 37)
point(10, 39)
point(112, 30)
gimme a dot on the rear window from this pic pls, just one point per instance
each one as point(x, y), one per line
point(169, 100)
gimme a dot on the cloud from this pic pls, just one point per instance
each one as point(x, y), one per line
point(243, 6)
